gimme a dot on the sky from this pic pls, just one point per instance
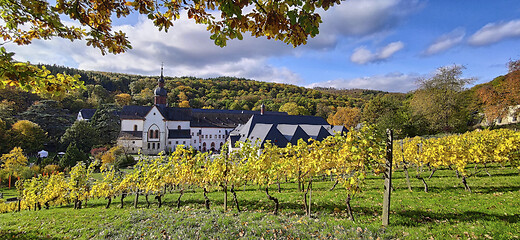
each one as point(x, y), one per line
point(370, 44)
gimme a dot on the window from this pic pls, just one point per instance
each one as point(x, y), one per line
point(132, 149)
point(158, 145)
point(179, 127)
point(221, 144)
point(156, 133)
point(169, 142)
point(148, 145)
point(194, 141)
point(218, 131)
point(192, 134)
point(150, 134)
point(210, 136)
point(176, 142)
point(203, 147)
point(183, 142)
point(135, 128)
point(201, 136)
point(133, 142)
point(153, 145)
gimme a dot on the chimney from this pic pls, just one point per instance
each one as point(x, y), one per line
point(262, 109)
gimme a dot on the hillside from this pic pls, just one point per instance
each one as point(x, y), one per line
point(218, 93)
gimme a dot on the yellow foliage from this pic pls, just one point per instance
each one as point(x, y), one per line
point(13, 160)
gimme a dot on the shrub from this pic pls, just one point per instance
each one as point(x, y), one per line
point(50, 169)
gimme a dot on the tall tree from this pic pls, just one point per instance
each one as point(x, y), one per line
point(31, 136)
point(51, 117)
point(106, 124)
point(72, 156)
point(81, 134)
point(497, 96)
point(346, 116)
point(440, 101)
point(14, 161)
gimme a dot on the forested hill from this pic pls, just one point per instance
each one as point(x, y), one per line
point(218, 93)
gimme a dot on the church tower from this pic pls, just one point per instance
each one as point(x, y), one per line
point(160, 92)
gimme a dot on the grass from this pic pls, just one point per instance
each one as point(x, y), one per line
point(447, 211)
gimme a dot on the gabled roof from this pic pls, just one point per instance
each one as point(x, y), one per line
point(87, 113)
point(289, 127)
point(135, 112)
point(292, 133)
point(317, 132)
point(338, 129)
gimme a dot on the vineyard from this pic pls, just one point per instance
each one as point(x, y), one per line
point(339, 164)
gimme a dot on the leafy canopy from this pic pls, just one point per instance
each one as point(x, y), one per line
point(290, 21)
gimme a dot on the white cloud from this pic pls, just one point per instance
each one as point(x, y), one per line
point(391, 82)
point(362, 55)
point(445, 42)
point(495, 32)
point(366, 17)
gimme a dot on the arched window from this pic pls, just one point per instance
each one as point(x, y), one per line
point(150, 134)
point(156, 134)
point(213, 145)
point(135, 128)
point(204, 147)
point(221, 144)
point(179, 127)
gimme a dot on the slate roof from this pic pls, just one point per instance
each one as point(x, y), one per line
point(176, 134)
point(87, 113)
point(134, 112)
point(283, 129)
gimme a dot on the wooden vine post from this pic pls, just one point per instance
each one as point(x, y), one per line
point(388, 178)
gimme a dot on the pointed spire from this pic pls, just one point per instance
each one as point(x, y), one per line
point(161, 79)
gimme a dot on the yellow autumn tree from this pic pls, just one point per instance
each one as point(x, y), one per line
point(13, 161)
point(346, 116)
point(123, 99)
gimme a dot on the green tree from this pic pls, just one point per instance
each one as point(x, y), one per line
point(390, 112)
point(106, 124)
point(81, 134)
point(440, 100)
point(51, 117)
point(72, 156)
point(31, 136)
point(6, 138)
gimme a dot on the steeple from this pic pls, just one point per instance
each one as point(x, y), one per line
point(160, 92)
point(161, 79)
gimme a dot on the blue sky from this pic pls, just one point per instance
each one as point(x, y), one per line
point(373, 44)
